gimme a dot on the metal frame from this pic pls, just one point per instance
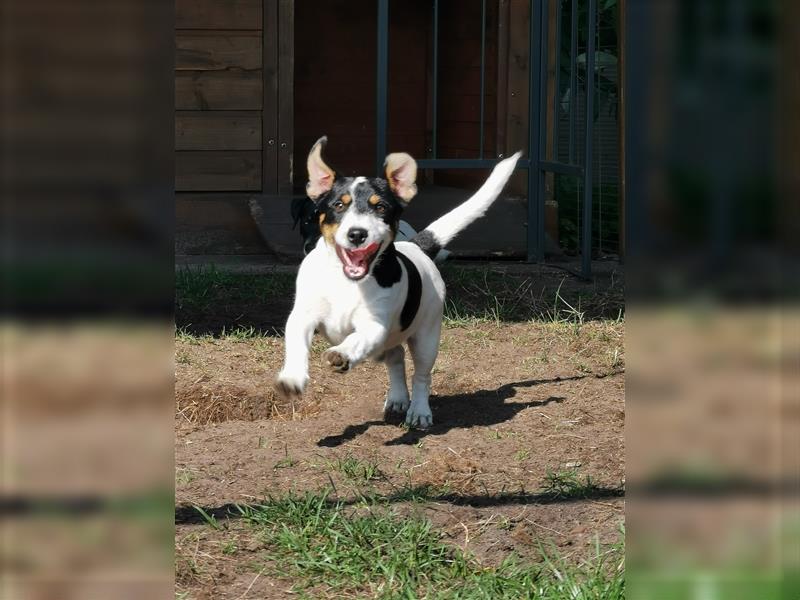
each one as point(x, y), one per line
point(537, 115)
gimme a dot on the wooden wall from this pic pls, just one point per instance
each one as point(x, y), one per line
point(219, 99)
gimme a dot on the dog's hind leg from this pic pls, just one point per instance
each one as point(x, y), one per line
point(397, 398)
point(424, 348)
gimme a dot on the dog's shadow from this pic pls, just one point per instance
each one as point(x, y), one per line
point(460, 411)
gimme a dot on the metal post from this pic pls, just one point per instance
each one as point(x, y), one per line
point(535, 233)
point(483, 66)
point(557, 94)
point(586, 242)
point(573, 78)
point(544, 39)
point(435, 91)
point(383, 84)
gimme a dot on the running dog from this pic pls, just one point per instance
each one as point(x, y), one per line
point(365, 292)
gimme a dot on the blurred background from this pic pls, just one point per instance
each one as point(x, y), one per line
point(712, 409)
point(87, 271)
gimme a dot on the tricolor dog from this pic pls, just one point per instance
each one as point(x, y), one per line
point(365, 292)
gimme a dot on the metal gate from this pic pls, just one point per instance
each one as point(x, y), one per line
point(535, 164)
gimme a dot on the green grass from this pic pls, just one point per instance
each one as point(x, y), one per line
point(211, 520)
point(356, 469)
point(212, 301)
point(229, 547)
point(568, 484)
point(234, 333)
point(202, 288)
point(476, 295)
point(332, 551)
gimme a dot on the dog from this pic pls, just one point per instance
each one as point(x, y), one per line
point(304, 213)
point(367, 293)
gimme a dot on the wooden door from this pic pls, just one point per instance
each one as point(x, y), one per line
point(233, 119)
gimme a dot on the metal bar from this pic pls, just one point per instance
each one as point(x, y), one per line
point(561, 168)
point(557, 94)
point(621, 111)
point(535, 225)
point(435, 95)
point(573, 77)
point(483, 67)
point(465, 163)
point(586, 242)
point(544, 24)
point(383, 84)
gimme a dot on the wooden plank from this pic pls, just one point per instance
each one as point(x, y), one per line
point(269, 133)
point(285, 96)
point(217, 171)
point(218, 14)
point(218, 130)
point(217, 50)
point(218, 90)
point(216, 223)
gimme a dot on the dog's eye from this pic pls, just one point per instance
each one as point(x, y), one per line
point(380, 208)
point(338, 206)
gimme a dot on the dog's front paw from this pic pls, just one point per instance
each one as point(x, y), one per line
point(288, 385)
point(336, 360)
point(419, 417)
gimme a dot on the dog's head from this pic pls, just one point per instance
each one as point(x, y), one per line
point(358, 216)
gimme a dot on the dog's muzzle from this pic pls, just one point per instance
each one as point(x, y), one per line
point(356, 261)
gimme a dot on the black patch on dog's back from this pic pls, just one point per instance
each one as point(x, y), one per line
point(414, 295)
point(427, 242)
point(387, 272)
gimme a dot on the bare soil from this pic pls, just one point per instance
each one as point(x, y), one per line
point(511, 401)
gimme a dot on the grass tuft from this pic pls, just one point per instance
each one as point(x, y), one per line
point(569, 484)
point(356, 469)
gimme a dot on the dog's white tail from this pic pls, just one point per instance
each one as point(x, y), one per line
point(439, 233)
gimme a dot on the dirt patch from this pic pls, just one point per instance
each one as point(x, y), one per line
point(512, 403)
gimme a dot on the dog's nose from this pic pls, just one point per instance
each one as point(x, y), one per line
point(357, 235)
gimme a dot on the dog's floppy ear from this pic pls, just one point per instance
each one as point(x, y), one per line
point(401, 173)
point(297, 209)
point(320, 175)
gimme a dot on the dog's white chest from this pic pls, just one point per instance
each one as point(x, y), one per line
point(337, 325)
point(341, 300)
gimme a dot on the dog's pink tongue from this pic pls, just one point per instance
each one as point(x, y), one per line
point(356, 264)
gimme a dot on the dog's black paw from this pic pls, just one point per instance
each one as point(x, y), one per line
point(337, 361)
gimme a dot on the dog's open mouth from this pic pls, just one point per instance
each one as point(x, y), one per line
point(355, 263)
